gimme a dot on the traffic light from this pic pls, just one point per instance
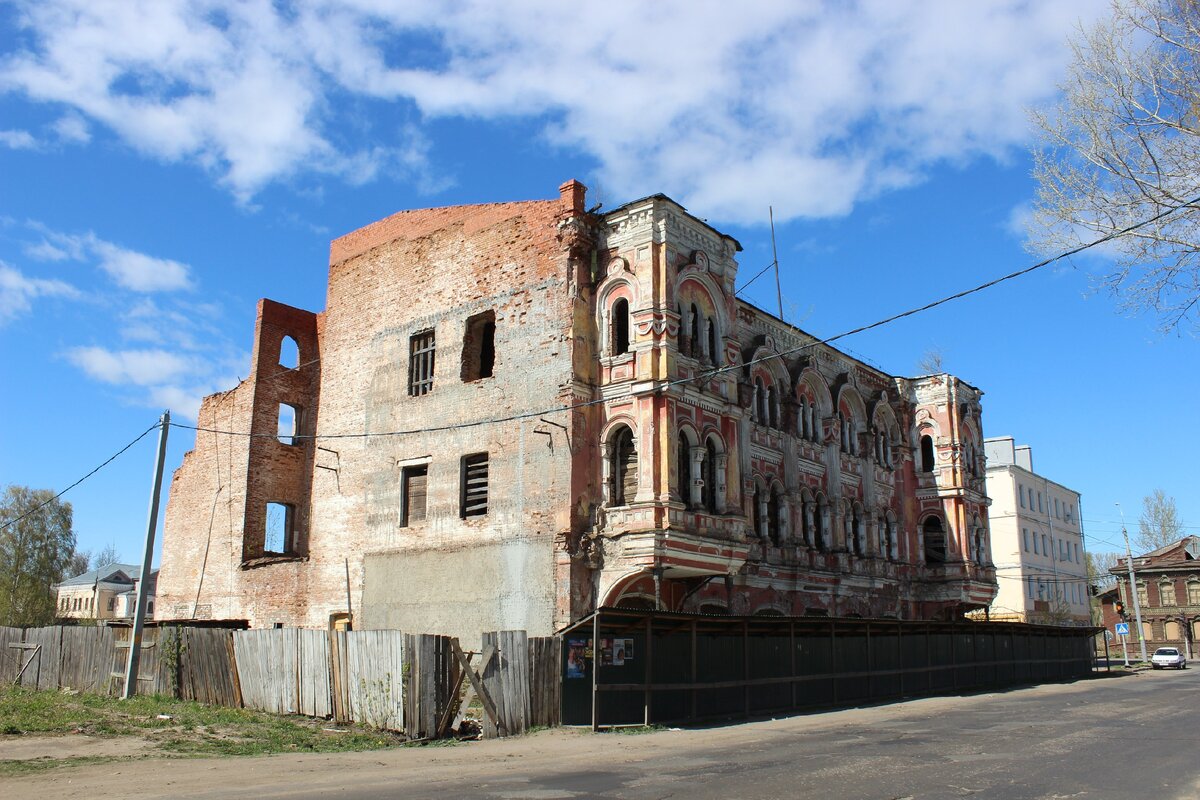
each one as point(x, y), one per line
point(1119, 607)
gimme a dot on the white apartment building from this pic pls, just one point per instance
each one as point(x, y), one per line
point(1037, 541)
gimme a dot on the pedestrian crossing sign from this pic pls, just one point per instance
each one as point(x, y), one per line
point(1122, 629)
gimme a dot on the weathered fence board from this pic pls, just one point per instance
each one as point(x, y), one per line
point(506, 680)
point(545, 680)
point(312, 673)
point(11, 658)
point(86, 658)
point(431, 680)
point(206, 670)
point(266, 666)
point(374, 678)
point(43, 671)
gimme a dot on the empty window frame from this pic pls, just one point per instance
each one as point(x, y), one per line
point(623, 470)
point(421, 348)
point(289, 353)
point(619, 327)
point(710, 477)
point(413, 489)
point(1025, 539)
point(279, 528)
point(474, 485)
point(479, 347)
point(289, 424)
point(928, 460)
point(1041, 508)
point(1021, 492)
point(935, 541)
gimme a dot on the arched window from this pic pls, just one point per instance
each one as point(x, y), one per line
point(759, 411)
point(774, 516)
point(772, 407)
point(756, 511)
point(714, 353)
point(289, 353)
point(844, 426)
point(684, 466)
point(710, 476)
point(1193, 589)
point(697, 344)
point(803, 428)
point(820, 524)
point(927, 455)
point(935, 541)
point(620, 327)
point(624, 467)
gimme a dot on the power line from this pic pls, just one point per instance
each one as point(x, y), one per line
point(111, 459)
point(705, 375)
point(757, 275)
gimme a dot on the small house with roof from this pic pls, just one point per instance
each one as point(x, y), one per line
point(107, 593)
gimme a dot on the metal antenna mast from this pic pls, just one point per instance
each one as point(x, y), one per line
point(775, 256)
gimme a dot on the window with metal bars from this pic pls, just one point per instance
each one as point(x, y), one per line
point(420, 363)
point(413, 482)
point(474, 501)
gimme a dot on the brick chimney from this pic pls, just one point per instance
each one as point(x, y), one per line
point(572, 193)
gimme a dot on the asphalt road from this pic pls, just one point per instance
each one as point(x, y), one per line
point(1120, 738)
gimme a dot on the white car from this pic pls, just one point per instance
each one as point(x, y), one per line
point(1168, 657)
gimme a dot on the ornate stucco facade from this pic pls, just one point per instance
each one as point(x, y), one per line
point(509, 414)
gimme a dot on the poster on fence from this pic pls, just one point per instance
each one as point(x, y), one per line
point(576, 658)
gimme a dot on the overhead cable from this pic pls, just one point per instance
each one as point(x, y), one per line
point(706, 374)
point(111, 459)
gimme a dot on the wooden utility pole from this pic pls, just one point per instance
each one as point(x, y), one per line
point(139, 614)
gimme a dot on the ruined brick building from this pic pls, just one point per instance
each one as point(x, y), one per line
point(511, 413)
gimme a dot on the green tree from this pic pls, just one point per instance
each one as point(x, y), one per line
point(36, 546)
point(1159, 524)
point(1123, 146)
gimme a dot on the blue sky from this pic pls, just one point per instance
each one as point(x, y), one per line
point(165, 164)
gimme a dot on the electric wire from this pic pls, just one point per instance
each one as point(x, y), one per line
point(707, 374)
point(757, 275)
point(111, 459)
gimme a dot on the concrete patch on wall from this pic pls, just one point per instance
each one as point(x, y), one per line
point(480, 587)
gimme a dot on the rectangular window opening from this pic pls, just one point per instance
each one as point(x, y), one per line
point(413, 487)
point(421, 348)
point(289, 424)
point(279, 530)
point(474, 499)
point(479, 347)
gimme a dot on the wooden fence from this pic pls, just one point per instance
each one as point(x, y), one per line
point(420, 685)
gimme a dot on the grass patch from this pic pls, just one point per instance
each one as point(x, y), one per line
point(14, 768)
point(176, 726)
point(636, 730)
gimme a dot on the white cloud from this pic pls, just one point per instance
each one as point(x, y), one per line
point(18, 140)
point(73, 129)
point(130, 269)
point(130, 367)
point(809, 107)
point(140, 272)
point(18, 291)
